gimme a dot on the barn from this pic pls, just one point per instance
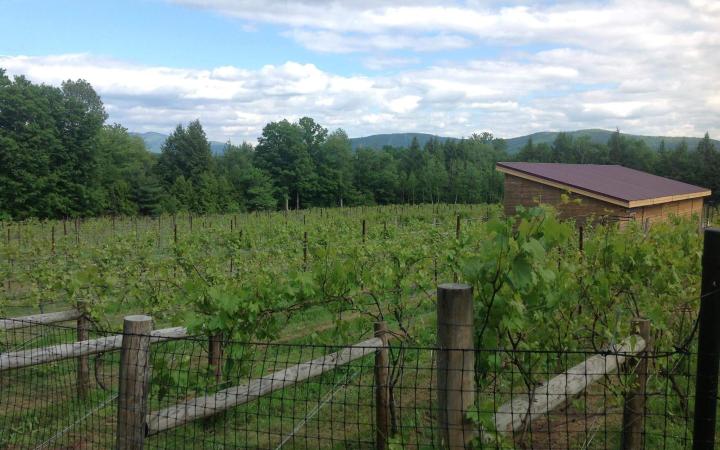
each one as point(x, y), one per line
point(603, 191)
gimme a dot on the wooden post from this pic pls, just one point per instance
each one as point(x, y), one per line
point(77, 231)
point(215, 354)
point(634, 407)
point(364, 230)
point(708, 361)
point(52, 239)
point(382, 388)
point(83, 367)
point(457, 236)
point(305, 250)
point(581, 237)
point(134, 376)
point(455, 364)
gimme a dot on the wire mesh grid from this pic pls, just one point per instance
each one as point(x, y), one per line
point(267, 395)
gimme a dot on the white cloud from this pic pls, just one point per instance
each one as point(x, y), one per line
point(647, 67)
point(507, 97)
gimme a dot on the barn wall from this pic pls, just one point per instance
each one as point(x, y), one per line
point(519, 191)
point(656, 213)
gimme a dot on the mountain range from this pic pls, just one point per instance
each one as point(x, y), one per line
point(154, 141)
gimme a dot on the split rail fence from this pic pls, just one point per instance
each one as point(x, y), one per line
point(78, 387)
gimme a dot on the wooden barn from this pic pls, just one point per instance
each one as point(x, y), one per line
point(604, 191)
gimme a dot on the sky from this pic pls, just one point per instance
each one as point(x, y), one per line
point(369, 66)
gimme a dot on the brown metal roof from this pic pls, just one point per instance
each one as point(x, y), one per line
point(615, 182)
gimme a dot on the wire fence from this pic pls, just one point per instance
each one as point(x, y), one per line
point(272, 396)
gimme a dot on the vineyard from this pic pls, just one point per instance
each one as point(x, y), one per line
point(264, 293)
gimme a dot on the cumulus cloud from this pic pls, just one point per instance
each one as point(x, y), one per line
point(646, 67)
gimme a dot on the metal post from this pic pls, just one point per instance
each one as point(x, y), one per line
point(455, 364)
point(133, 389)
point(706, 387)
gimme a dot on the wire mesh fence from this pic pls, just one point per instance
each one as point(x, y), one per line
point(271, 396)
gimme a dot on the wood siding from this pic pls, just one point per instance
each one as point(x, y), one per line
point(519, 191)
point(657, 213)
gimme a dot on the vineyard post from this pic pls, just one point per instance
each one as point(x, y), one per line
point(77, 231)
point(65, 227)
point(83, 367)
point(455, 364)
point(52, 239)
point(134, 377)
point(634, 407)
point(364, 230)
point(382, 388)
point(305, 250)
point(580, 238)
point(708, 361)
point(457, 236)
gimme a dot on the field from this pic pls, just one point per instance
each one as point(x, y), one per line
point(281, 288)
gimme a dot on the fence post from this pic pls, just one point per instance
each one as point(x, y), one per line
point(83, 368)
point(706, 386)
point(215, 355)
point(382, 388)
point(134, 376)
point(634, 407)
point(455, 364)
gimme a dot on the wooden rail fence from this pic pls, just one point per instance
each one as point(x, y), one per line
point(455, 376)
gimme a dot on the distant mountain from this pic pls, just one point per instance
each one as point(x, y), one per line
point(154, 142)
point(378, 141)
point(600, 137)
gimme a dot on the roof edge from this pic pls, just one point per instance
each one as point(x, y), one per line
point(599, 196)
point(563, 186)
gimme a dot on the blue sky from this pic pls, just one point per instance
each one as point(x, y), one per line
point(450, 68)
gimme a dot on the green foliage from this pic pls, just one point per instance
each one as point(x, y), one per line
point(59, 159)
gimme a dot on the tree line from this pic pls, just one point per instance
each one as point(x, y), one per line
point(60, 158)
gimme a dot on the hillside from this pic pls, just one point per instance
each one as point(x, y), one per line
point(378, 141)
point(154, 141)
point(600, 137)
